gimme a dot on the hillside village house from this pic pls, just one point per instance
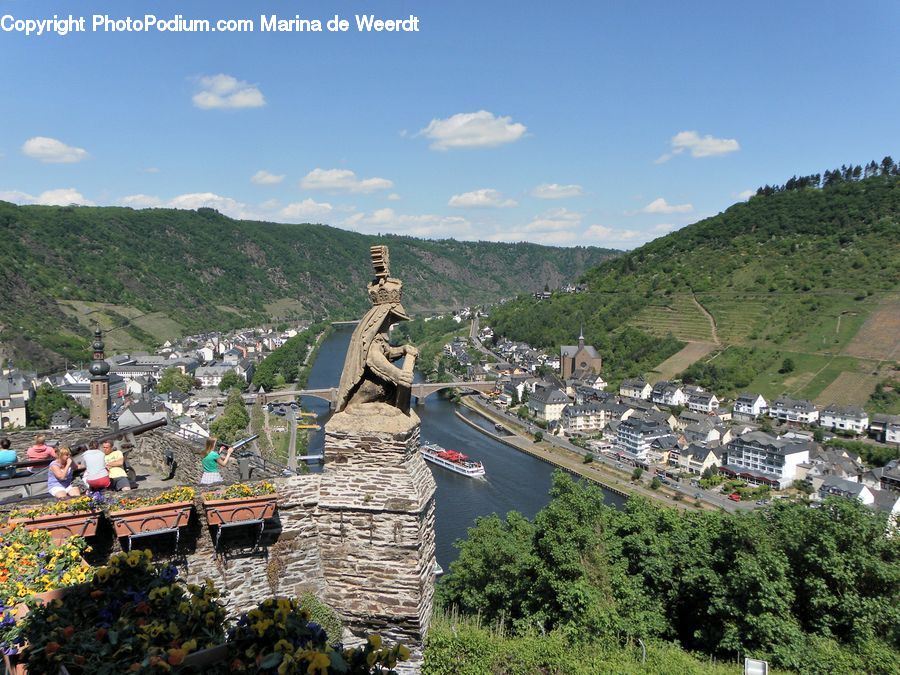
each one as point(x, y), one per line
point(211, 376)
point(885, 428)
point(579, 358)
point(547, 403)
point(844, 418)
point(14, 392)
point(635, 388)
point(834, 486)
point(668, 393)
point(794, 411)
point(762, 459)
point(636, 434)
point(700, 400)
point(749, 406)
point(697, 458)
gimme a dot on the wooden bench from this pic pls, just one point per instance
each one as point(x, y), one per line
point(24, 478)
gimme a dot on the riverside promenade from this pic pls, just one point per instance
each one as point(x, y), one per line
point(572, 460)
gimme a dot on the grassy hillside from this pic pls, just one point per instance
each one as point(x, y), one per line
point(161, 272)
point(811, 275)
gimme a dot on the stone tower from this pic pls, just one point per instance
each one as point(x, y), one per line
point(99, 384)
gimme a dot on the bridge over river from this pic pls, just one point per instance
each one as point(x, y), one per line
point(421, 390)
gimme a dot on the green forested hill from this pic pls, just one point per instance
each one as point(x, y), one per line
point(164, 272)
point(806, 275)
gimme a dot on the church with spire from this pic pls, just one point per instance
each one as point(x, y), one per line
point(579, 361)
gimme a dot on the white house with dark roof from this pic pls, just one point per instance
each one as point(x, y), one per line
point(844, 418)
point(795, 411)
point(697, 458)
point(834, 486)
point(703, 401)
point(883, 427)
point(547, 402)
point(763, 459)
point(749, 406)
point(636, 434)
point(668, 393)
point(635, 388)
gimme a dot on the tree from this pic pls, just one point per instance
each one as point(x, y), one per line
point(637, 473)
point(655, 483)
point(48, 400)
point(522, 412)
point(588, 458)
point(173, 379)
point(231, 380)
point(232, 423)
point(538, 436)
point(787, 366)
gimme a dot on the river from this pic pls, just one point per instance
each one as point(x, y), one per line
point(515, 481)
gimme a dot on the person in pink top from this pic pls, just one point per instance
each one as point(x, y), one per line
point(40, 451)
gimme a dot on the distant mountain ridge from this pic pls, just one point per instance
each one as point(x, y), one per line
point(159, 273)
point(802, 273)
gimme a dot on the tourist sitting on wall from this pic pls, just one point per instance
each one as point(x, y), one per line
point(115, 465)
point(40, 451)
point(59, 476)
point(95, 473)
point(212, 462)
point(7, 459)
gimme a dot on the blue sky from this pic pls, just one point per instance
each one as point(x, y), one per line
point(600, 123)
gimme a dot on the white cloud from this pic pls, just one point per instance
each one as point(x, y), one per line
point(745, 195)
point(415, 225)
point(554, 220)
point(16, 197)
point(556, 191)
point(225, 91)
point(481, 199)
point(699, 146)
point(480, 129)
point(140, 201)
point(62, 197)
point(306, 210)
point(393, 197)
point(343, 180)
point(52, 151)
point(664, 227)
point(609, 235)
point(263, 177)
point(660, 205)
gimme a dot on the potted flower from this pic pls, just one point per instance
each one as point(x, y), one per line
point(239, 502)
point(167, 510)
point(76, 517)
point(34, 568)
point(133, 616)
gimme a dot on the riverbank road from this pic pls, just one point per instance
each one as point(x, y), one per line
point(603, 469)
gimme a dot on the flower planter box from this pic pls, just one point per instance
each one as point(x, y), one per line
point(147, 519)
point(227, 511)
point(63, 525)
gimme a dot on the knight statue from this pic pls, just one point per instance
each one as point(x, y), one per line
point(370, 374)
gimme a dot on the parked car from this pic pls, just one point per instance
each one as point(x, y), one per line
point(735, 497)
point(698, 495)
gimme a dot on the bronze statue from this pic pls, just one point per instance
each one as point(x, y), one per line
point(369, 373)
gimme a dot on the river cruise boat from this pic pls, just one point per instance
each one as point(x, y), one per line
point(451, 459)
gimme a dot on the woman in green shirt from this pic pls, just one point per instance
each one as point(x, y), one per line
point(212, 462)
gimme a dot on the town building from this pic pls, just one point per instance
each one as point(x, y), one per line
point(794, 411)
point(547, 402)
point(850, 418)
point(635, 388)
point(749, 406)
point(668, 393)
point(763, 459)
point(635, 436)
point(580, 358)
point(697, 458)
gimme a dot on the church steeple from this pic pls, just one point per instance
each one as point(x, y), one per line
point(99, 383)
point(581, 338)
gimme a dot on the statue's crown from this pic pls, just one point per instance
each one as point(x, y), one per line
point(384, 289)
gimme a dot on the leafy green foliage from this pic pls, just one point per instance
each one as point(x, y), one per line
point(48, 400)
point(768, 583)
point(232, 423)
point(205, 271)
point(231, 380)
point(173, 379)
point(285, 364)
point(885, 398)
